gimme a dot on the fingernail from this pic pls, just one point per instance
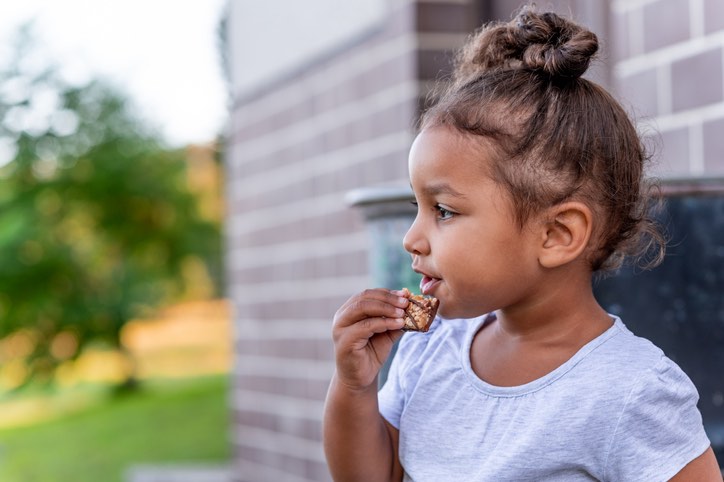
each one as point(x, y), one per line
point(399, 312)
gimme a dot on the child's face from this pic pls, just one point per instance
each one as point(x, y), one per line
point(465, 240)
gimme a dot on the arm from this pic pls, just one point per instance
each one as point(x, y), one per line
point(704, 468)
point(358, 442)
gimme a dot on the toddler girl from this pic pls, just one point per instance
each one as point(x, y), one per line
point(528, 180)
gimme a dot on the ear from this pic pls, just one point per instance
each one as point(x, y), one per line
point(567, 231)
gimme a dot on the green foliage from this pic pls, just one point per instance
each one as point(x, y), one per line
point(186, 423)
point(97, 219)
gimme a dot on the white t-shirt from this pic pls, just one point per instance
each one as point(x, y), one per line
point(618, 410)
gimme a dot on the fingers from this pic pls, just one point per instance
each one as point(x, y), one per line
point(370, 305)
point(368, 327)
point(357, 334)
point(365, 329)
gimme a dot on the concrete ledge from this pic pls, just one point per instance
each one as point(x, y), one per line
point(178, 473)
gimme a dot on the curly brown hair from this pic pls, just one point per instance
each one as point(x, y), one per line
point(555, 135)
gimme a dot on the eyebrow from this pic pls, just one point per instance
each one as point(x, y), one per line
point(441, 188)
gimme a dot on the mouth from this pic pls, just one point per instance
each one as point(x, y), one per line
point(428, 285)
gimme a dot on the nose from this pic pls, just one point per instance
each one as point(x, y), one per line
point(415, 241)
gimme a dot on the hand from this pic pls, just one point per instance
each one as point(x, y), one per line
point(365, 329)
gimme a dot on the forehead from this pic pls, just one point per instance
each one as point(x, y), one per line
point(445, 153)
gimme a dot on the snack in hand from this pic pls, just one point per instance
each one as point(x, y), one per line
point(420, 312)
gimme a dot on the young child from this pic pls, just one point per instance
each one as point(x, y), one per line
point(528, 179)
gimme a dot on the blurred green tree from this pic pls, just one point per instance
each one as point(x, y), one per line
point(98, 221)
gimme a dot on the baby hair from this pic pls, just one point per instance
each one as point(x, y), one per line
point(554, 136)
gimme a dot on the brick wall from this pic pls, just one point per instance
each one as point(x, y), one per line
point(296, 146)
point(295, 250)
point(669, 69)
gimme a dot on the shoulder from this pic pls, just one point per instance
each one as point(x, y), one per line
point(639, 368)
point(662, 387)
point(659, 429)
point(627, 357)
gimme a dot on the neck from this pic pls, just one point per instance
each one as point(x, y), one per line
point(565, 310)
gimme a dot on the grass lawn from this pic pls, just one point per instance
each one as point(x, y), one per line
point(164, 422)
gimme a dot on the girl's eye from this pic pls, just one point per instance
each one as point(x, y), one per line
point(443, 213)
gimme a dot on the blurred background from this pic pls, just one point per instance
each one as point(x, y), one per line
point(189, 190)
point(114, 330)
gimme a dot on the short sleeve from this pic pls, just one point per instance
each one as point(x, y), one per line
point(660, 429)
point(404, 371)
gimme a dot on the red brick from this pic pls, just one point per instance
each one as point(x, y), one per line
point(308, 228)
point(618, 41)
point(434, 64)
point(345, 264)
point(287, 349)
point(445, 17)
point(317, 471)
point(302, 389)
point(666, 22)
point(365, 84)
point(384, 168)
point(394, 118)
point(305, 309)
point(246, 418)
point(713, 15)
point(276, 461)
point(639, 93)
point(697, 81)
point(503, 10)
point(674, 155)
point(714, 147)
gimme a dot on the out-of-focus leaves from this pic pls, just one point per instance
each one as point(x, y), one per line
point(97, 219)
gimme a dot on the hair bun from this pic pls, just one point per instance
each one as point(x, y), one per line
point(545, 43)
point(554, 45)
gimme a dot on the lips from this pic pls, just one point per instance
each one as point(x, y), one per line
point(427, 283)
